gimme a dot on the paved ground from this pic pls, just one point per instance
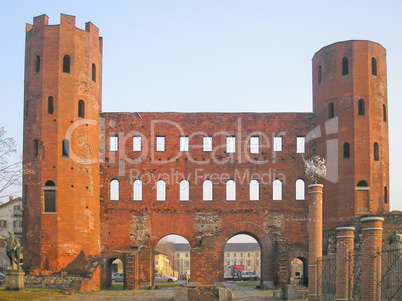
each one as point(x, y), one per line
point(165, 294)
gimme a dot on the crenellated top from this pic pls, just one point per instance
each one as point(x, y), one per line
point(65, 21)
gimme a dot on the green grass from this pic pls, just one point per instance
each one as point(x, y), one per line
point(249, 283)
point(27, 293)
point(167, 284)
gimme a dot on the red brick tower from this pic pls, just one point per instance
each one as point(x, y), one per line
point(350, 106)
point(63, 78)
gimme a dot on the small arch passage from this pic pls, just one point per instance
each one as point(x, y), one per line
point(230, 190)
point(114, 190)
point(66, 63)
point(300, 190)
point(207, 190)
point(277, 190)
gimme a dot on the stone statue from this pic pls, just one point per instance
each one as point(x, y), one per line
point(395, 238)
point(315, 168)
point(13, 249)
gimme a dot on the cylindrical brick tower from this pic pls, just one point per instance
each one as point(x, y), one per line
point(62, 102)
point(350, 106)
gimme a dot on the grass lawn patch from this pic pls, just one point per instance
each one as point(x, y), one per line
point(29, 294)
point(249, 283)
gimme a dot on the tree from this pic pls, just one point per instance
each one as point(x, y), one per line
point(10, 168)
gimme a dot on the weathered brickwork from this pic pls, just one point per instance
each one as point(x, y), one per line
point(99, 214)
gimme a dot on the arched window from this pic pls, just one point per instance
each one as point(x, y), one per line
point(50, 196)
point(376, 152)
point(230, 190)
point(37, 64)
point(50, 105)
point(65, 152)
point(362, 183)
point(346, 150)
point(362, 109)
point(331, 110)
point(277, 190)
point(36, 148)
point(207, 192)
point(254, 190)
point(93, 72)
point(385, 195)
point(319, 74)
point(184, 190)
point(373, 66)
point(300, 190)
point(160, 190)
point(345, 66)
point(114, 190)
point(66, 64)
point(137, 190)
point(384, 113)
point(81, 108)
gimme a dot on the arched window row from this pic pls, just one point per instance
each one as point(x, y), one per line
point(207, 190)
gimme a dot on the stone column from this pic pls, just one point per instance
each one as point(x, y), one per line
point(371, 241)
point(315, 237)
point(345, 244)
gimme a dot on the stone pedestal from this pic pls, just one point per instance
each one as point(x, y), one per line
point(190, 292)
point(14, 280)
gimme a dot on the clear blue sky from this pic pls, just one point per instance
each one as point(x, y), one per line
point(210, 55)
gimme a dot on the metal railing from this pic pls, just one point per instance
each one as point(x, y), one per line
point(389, 286)
point(355, 274)
point(326, 278)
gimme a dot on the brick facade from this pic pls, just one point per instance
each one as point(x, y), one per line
point(98, 214)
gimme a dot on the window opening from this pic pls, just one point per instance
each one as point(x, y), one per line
point(50, 105)
point(93, 72)
point(160, 143)
point(50, 196)
point(36, 148)
point(373, 66)
point(277, 190)
point(65, 148)
point(230, 144)
point(346, 150)
point(362, 183)
point(300, 190)
point(137, 190)
point(331, 110)
point(137, 143)
point(66, 64)
point(300, 145)
point(113, 143)
point(184, 190)
point(345, 66)
point(254, 145)
point(385, 195)
point(207, 191)
point(160, 190)
point(37, 64)
point(114, 190)
point(361, 106)
point(384, 113)
point(376, 152)
point(81, 108)
point(184, 144)
point(254, 190)
point(230, 190)
point(207, 144)
point(277, 144)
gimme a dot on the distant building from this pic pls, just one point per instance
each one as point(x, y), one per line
point(162, 264)
point(246, 254)
point(181, 258)
point(10, 220)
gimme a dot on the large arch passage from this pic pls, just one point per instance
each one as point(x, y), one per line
point(265, 242)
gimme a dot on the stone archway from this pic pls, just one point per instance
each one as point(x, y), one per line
point(268, 267)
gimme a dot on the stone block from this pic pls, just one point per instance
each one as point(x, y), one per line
point(14, 280)
point(291, 292)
